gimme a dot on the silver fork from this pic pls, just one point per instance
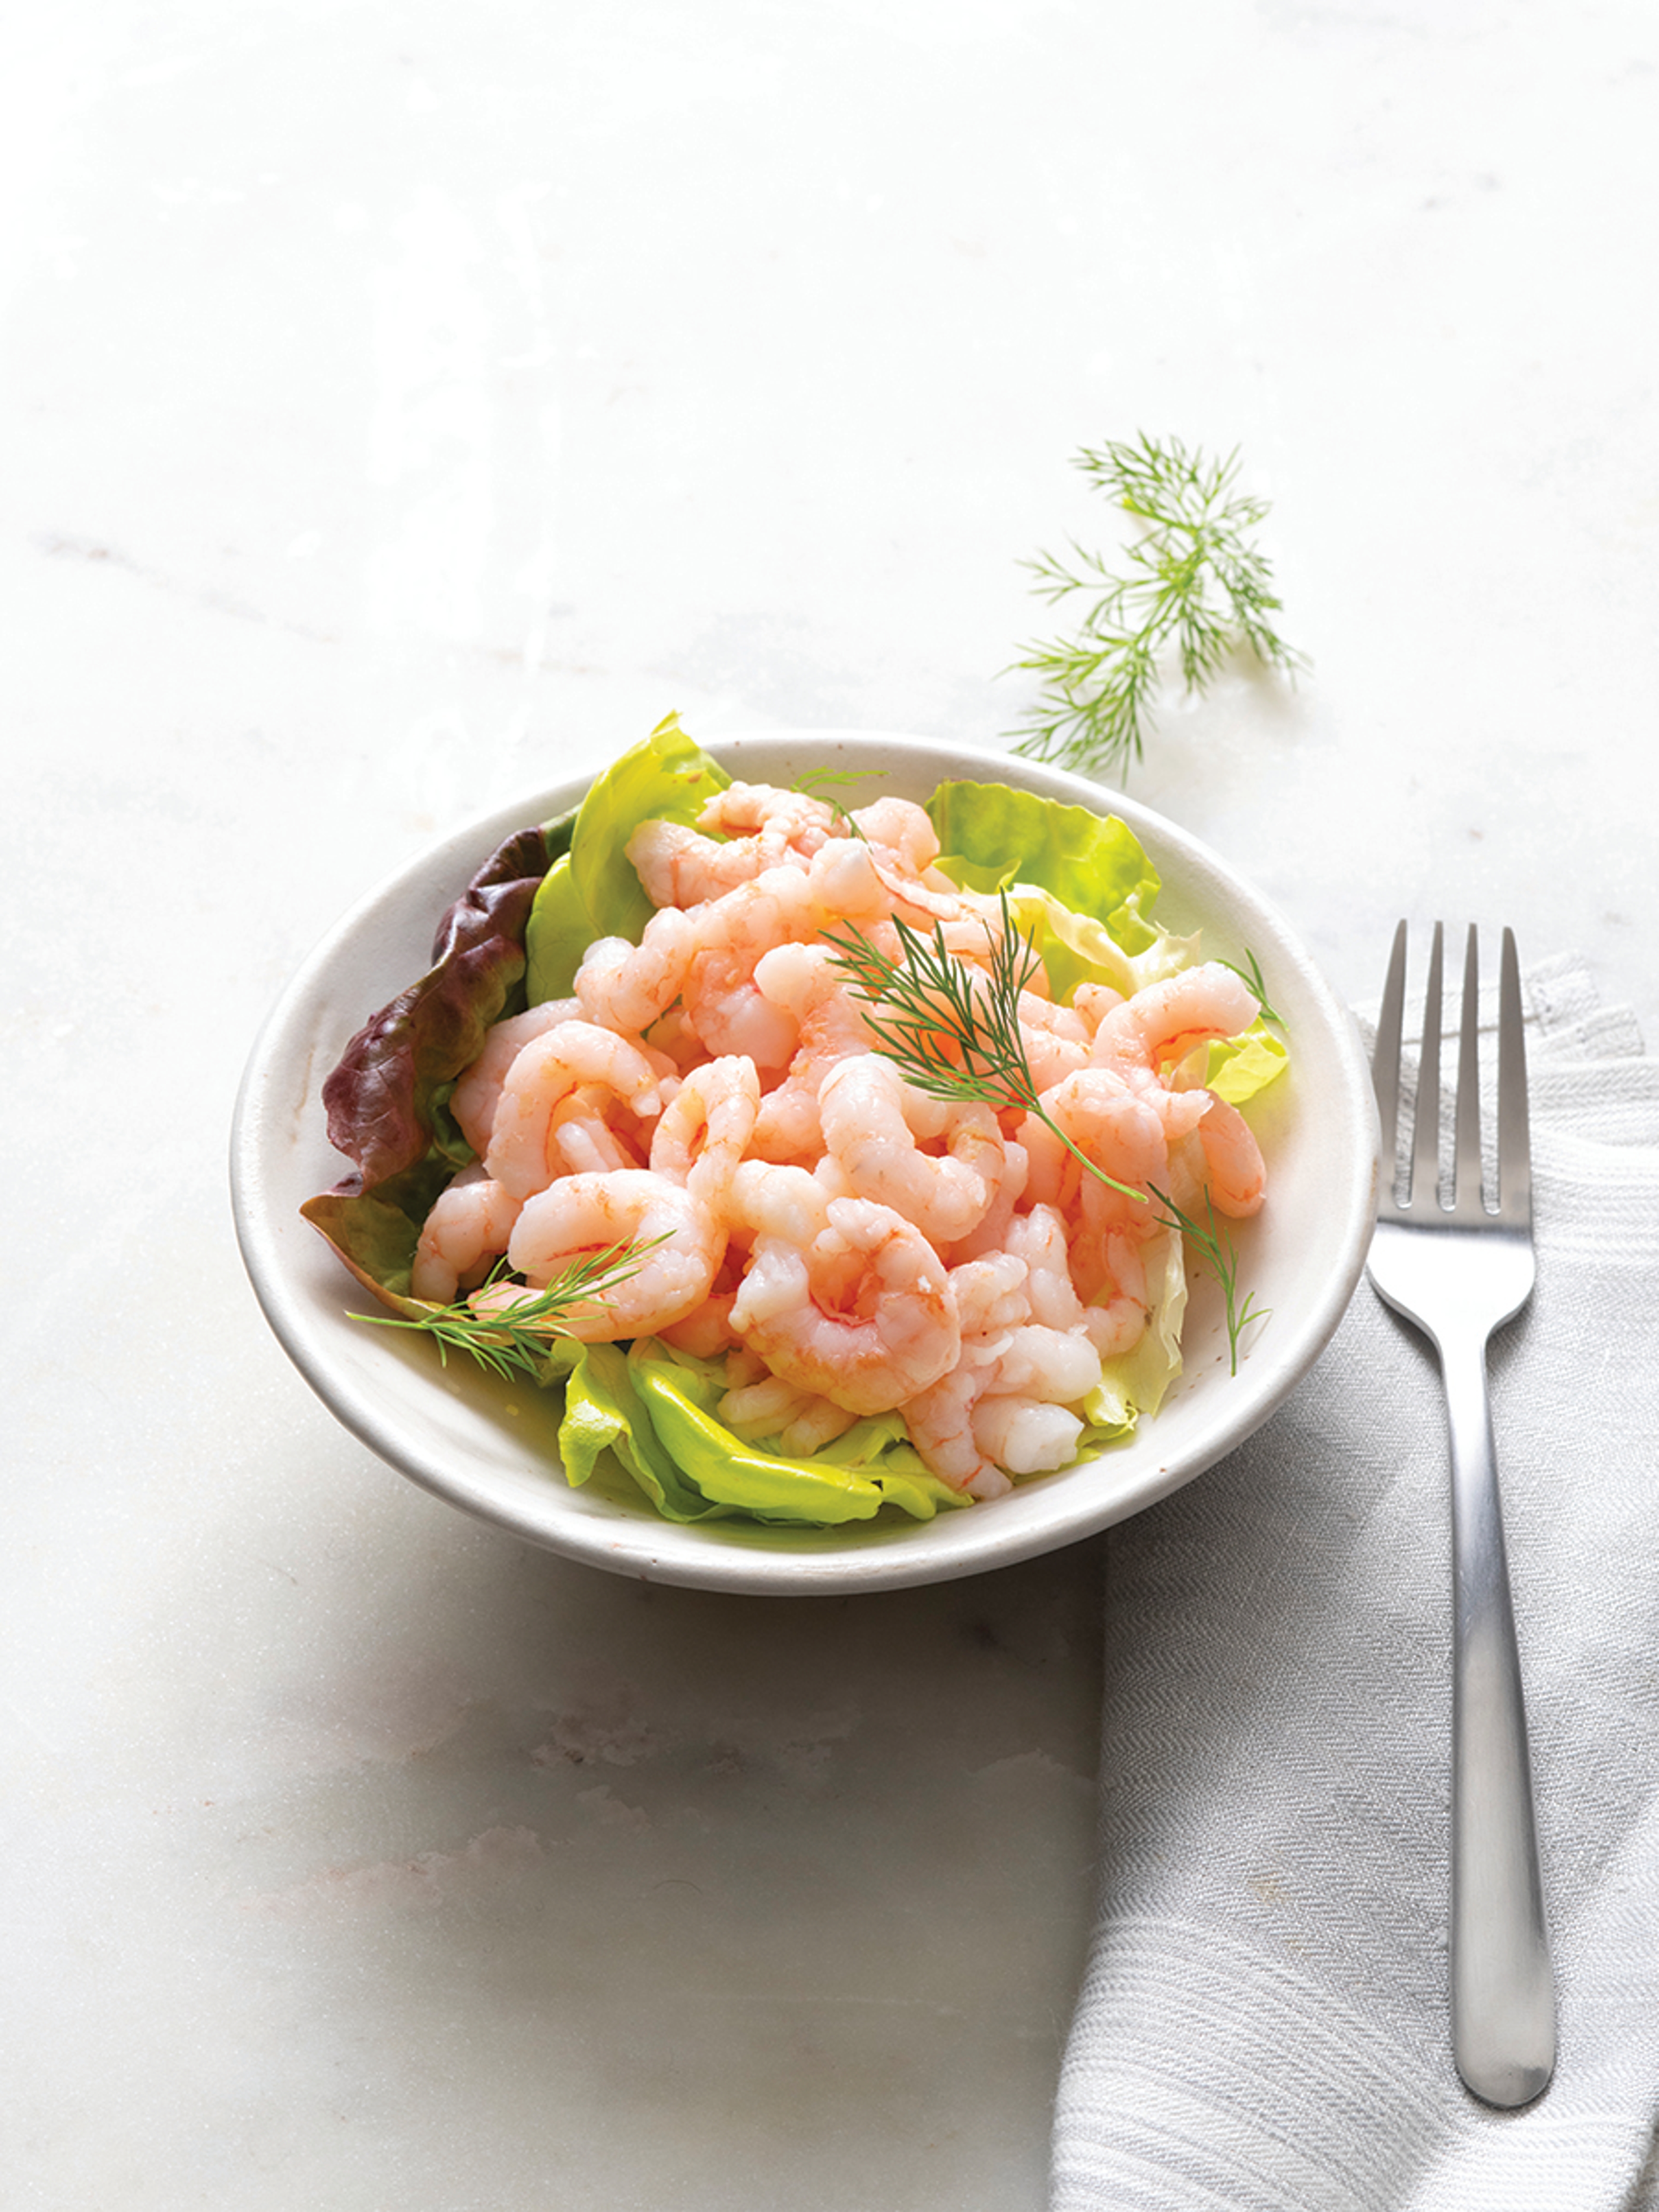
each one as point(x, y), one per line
point(1459, 1272)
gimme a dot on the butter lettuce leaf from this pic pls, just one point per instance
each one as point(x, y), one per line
point(1238, 1067)
point(606, 1411)
point(595, 891)
point(1075, 948)
point(872, 1465)
point(991, 836)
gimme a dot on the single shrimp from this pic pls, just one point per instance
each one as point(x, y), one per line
point(705, 1129)
point(990, 1293)
point(792, 820)
point(681, 867)
point(991, 1236)
point(1164, 1023)
point(627, 987)
point(1092, 1002)
point(940, 1422)
point(806, 980)
point(1054, 1366)
point(767, 1199)
point(1108, 1270)
point(544, 1074)
point(581, 1214)
point(1230, 1171)
point(470, 1221)
point(872, 1122)
point(1056, 1039)
point(1025, 1435)
point(862, 1315)
point(901, 829)
point(477, 1093)
point(847, 882)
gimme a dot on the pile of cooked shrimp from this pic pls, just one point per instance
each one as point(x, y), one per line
point(847, 1244)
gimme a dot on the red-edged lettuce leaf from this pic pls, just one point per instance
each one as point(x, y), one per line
point(382, 1100)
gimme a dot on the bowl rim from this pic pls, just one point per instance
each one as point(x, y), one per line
point(704, 1555)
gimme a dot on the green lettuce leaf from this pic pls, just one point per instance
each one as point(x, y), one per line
point(991, 836)
point(605, 1410)
point(872, 1465)
point(1075, 948)
point(1239, 1066)
point(595, 892)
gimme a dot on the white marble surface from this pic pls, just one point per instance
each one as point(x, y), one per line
point(406, 406)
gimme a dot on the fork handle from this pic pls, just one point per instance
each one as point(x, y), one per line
point(1503, 1988)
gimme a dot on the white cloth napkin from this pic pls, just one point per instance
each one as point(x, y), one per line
point(1263, 2026)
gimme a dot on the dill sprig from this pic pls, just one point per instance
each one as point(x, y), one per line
point(950, 1030)
point(515, 1338)
point(1256, 981)
point(1220, 1254)
point(818, 782)
point(1191, 588)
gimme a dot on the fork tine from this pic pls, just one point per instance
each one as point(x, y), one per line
point(1426, 1133)
point(1514, 1141)
point(1385, 1064)
point(1466, 1143)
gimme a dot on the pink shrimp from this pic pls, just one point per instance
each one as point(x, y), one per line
point(470, 1223)
point(706, 1127)
point(627, 987)
point(1162, 1024)
point(1056, 1039)
point(544, 1074)
point(1115, 1323)
point(792, 821)
point(862, 1315)
point(873, 1125)
point(581, 1214)
point(582, 1137)
point(1109, 1122)
point(1003, 1409)
point(806, 983)
point(1229, 1169)
point(801, 1421)
point(478, 1091)
point(721, 1001)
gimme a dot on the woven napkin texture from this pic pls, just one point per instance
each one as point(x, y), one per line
point(1263, 2025)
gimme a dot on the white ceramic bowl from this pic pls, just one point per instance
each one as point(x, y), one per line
point(488, 1446)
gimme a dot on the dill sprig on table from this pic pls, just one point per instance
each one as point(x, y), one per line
point(515, 1338)
point(952, 1030)
point(1191, 588)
